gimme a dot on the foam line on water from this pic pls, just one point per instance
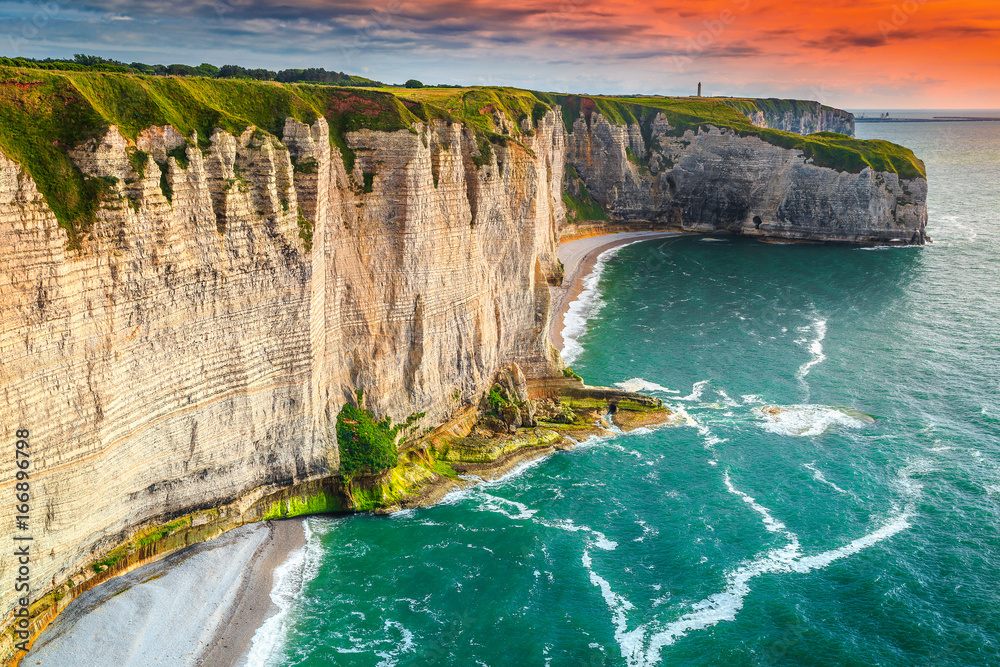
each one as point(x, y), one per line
point(821, 478)
point(453, 497)
point(642, 646)
point(499, 506)
point(727, 399)
point(696, 391)
point(815, 349)
point(601, 540)
point(619, 606)
point(404, 645)
point(771, 524)
point(585, 306)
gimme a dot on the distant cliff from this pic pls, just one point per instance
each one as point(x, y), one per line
point(799, 116)
point(666, 169)
point(197, 275)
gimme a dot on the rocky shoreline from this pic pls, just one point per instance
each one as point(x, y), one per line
point(242, 562)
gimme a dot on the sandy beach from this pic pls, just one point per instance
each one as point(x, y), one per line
point(199, 606)
point(578, 258)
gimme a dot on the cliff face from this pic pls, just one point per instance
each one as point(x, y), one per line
point(711, 179)
point(798, 116)
point(197, 349)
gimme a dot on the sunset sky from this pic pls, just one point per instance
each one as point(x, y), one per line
point(857, 54)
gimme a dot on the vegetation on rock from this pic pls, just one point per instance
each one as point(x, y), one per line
point(86, 63)
point(367, 446)
point(826, 149)
point(580, 204)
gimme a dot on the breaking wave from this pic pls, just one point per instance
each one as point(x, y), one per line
point(808, 420)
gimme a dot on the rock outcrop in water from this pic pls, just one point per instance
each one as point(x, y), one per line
point(181, 362)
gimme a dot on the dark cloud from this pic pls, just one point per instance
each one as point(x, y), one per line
point(845, 40)
point(600, 33)
point(889, 32)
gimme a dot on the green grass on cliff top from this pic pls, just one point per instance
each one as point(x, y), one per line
point(43, 114)
point(827, 149)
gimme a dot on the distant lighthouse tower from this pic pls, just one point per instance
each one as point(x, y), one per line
point(699, 89)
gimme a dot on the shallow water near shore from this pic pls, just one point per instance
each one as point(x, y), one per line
point(833, 497)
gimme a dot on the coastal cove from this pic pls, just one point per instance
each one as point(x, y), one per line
point(856, 525)
point(348, 295)
point(259, 569)
point(809, 536)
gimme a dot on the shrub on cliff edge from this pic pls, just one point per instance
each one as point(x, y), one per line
point(367, 446)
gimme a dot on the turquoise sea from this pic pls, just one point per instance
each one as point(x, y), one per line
point(833, 497)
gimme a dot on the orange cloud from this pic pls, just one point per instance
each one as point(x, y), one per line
point(933, 53)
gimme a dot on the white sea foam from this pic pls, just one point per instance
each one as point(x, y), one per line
point(895, 525)
point(724, 606)
point(639, 384)
point(625, 450)
point(726, 399)
point(593, 441)
point(684, 416)
point(501, 505)
point(815, 349)
point(601, 540)
point(588, 304)
point(696, 391)
point(290, 578)
point(404, 645)
point(619, 607)
point(771, 524)
point(457, 496)
point(821, 478)
point(807, 420)
point(907, 482)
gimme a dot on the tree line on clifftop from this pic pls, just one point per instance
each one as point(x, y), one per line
point(82, 62)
